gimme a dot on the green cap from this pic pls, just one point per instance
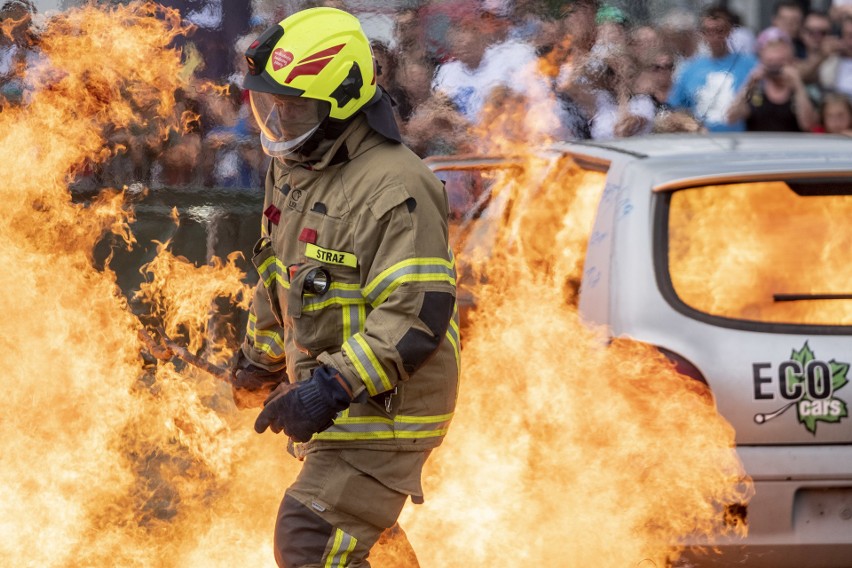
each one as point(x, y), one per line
point(611, 14)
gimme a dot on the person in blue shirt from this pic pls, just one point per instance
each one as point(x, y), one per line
point(707, 86)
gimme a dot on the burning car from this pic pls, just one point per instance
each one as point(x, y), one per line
point(729, 254)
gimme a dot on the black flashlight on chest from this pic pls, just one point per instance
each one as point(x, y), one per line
point(317, 281)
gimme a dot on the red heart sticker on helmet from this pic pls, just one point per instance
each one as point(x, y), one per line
point(281, 59)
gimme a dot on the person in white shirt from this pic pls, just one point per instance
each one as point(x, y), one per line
point(483, 59)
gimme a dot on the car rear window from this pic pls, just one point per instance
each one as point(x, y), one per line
point(776, 251)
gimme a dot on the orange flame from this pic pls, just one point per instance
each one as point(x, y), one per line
point(777, 252)
point(106, 461)
point(564, 452)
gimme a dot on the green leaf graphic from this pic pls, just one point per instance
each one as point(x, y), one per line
point(803, 356)
point(809, 422)
point(839, 372)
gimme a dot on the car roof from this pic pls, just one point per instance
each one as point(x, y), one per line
point(676, 148)
point(679, 160)
point(750, 145)
point(671, 161)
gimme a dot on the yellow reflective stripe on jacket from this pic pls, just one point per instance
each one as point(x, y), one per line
point(353, 319)
point(265, 340)
point(369, 369)
point(379, 428)
point(338, 293)
point(273, 269)
point(341, 548)
point(411, 270)
point(453, 335)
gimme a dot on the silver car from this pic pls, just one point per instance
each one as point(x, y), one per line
point(733, 255)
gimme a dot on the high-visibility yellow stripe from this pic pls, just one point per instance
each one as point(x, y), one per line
point(369, 368)
point(267, 341)
point(363, 420)
point(334, 300)
point(411, 270)
point(353, 320)
point(273, 269)
point(347, 323)
point(332, 554)
point(409, 262)
point(271, 335)
point(453, 334)
point(379, 428)
point(423, 419)
point(362, 372)
point(265, 264)
point(419, 435)
point(368, 351)
point(344, 558)
point(381, 435)
point(425, 277)
point(342, 546)
point(362, 315)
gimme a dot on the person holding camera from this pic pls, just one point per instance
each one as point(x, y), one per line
point(774, 98)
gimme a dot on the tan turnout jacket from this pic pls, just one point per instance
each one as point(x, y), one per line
point(375, 218)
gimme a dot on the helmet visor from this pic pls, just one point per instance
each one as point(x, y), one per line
point(286, 122)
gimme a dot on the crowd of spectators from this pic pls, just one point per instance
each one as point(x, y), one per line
point(466, 71)
point(591, 72)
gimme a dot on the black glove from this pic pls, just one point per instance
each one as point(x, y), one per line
point(305, 408)
point(250, 384)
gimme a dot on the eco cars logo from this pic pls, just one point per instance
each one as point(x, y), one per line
point(808, 383)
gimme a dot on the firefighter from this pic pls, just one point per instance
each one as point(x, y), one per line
point(354, 320)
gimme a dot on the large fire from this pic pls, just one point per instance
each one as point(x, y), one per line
point(107, 462)
point(565, 451)
point(785, 247)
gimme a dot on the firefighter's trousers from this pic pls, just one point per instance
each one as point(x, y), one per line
point(334, 512)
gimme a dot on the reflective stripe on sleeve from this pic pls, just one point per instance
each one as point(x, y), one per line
point(377, 428)
point(341, 548)
point(411, 270)
point(271, 270)
point(453, 336)
point(370, 371)
point(268, 341)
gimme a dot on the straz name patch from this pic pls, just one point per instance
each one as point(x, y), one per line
point(329, 256)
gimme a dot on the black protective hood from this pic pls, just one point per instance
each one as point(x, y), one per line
point(380, 116)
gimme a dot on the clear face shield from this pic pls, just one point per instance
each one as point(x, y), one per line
point(286, 122)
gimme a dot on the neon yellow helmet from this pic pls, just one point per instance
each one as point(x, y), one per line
point(319, 53)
